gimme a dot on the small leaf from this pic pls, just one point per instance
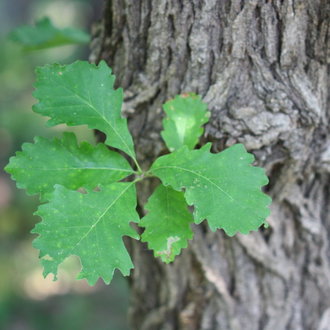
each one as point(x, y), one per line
point(182, 125)
point(45, 35)
point(61, 161)
point(90, 226)
point(224, 188)
point(83, 94)
point(167, 224)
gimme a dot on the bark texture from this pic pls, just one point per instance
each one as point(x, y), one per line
point(263, 68)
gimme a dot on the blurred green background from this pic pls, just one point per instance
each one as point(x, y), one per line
point(27, 300)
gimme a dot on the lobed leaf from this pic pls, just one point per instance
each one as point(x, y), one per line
point(167, 224)
point(90, 226)
point(223, 188)
point(61, 161)
point(82, 94)
point(45, 35)
point(182, 125)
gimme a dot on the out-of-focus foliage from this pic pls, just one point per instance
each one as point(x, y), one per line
point(45, 35)
point(27, 301)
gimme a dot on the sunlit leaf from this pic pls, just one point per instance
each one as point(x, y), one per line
point(82, 94)
point(223, 188)
point(90, 226)
point(62, 161)
point(183, 124)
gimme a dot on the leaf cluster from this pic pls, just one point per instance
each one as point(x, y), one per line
point(88, 191)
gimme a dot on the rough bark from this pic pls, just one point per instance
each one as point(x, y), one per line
point(262, 67)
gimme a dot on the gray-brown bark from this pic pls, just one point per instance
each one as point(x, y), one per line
point(262, 68)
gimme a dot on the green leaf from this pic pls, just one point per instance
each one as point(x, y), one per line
point(83, 94)
point(224, 188)
point(45, 35)
point(185, 116)
point(90, 226)
point(61, 161)
point(167, 224)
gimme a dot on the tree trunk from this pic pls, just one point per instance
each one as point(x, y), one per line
point(261, 66)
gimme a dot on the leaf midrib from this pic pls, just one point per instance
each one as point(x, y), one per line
point(224, 192)
point(131, 153)
point(100, 217)
point(200, 175)
point(79, 168)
